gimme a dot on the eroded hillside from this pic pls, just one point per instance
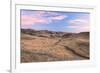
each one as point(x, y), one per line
point(44, 45)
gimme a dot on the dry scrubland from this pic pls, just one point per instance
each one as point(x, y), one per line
point(44, 45)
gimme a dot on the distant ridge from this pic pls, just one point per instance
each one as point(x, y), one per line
point(53, 33)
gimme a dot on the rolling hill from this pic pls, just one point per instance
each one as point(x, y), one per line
point(44, 46)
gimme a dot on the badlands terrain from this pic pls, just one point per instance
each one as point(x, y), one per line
point(45, 46)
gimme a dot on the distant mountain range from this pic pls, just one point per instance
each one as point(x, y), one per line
point(47, 33)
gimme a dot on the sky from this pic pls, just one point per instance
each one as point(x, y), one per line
point(74, 22)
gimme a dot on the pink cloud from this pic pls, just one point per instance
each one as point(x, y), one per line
point(39, 13)
point(39, 17)
point(31, 20)
point(78, 29)
point(60, 17)
point(26, 26)
point(78, 21)
point(83, 29)
point(28, 21)
point(79, 25)
point(72, 26)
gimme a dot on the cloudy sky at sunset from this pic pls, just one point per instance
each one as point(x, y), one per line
point(55, 21)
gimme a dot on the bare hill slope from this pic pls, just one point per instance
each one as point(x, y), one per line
point(44, 45)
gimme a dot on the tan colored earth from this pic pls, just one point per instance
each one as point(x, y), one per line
point(44, 46)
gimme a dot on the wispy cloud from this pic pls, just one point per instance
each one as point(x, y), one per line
point(57, 21)
point(40, 17)
point(60, 17)
point(78, 29)
point(32, 20)
point(79, 24)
